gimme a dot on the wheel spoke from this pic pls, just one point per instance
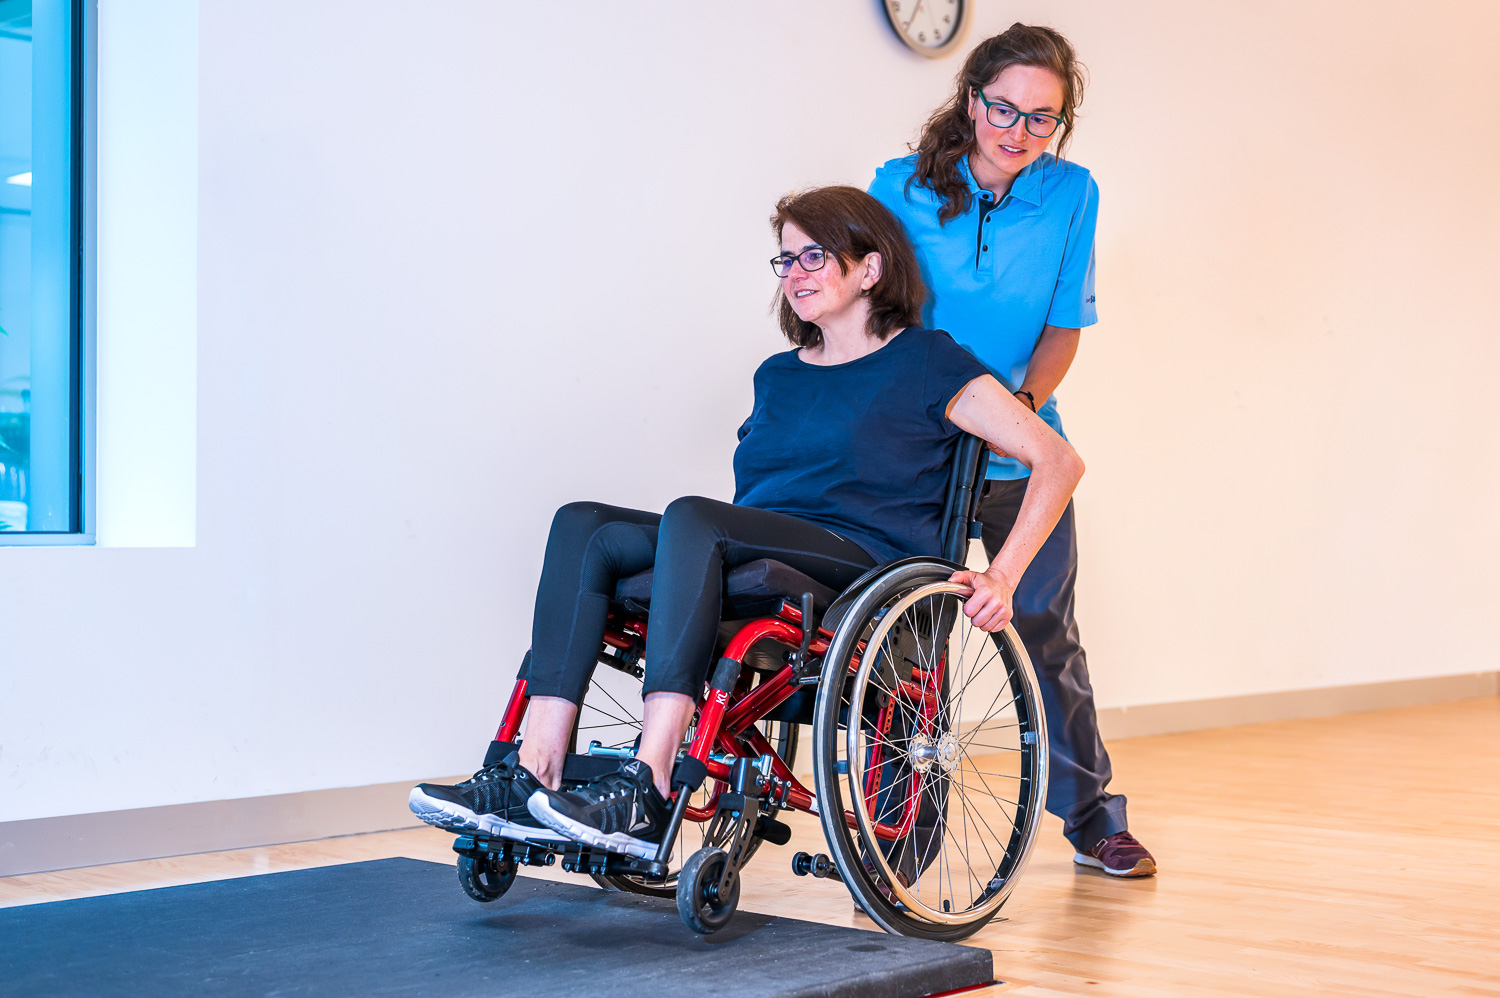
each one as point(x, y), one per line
point(908, 750)
point(991, 710)
point(979, 667)
point(965, 739)
point(964, 807)
point(622, 708)
point(991, 793)
point(628, 722)
point(999, 776)
point(987, 826)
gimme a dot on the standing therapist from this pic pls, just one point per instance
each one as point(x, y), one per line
point(1004, 234)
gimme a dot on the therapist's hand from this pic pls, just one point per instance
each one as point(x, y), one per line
point(990, 605)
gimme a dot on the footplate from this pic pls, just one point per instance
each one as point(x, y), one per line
point(483, 846)
point(575, 858)
point(598, 862)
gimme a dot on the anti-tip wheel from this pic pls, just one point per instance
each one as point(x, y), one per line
point(698, 900)
point(485, 879)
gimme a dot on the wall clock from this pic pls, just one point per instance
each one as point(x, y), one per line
point(933, 28)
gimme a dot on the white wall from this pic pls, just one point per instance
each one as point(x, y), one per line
point(458, 266)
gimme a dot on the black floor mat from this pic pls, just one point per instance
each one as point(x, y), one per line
point(404, 927)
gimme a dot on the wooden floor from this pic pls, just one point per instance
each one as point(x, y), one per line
point(1355, 855)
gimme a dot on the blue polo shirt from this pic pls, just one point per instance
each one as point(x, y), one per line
point(1001, 271)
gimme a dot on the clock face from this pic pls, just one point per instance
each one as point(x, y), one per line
point(932, 27)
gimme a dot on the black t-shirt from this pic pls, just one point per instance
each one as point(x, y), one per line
point(863, 448)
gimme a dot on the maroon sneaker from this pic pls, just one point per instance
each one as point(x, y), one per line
point(1120, 855)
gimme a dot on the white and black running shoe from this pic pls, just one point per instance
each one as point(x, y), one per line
point(492, 801)
point(620, 813)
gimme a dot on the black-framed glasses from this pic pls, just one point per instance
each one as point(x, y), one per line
point(813, 258)
point(1002, 115)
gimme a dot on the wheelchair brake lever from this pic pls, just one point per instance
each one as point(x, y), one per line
point(808, 628)
point(804, 677)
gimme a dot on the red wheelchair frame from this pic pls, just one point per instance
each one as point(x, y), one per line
point(751, 781)
point(727, 718)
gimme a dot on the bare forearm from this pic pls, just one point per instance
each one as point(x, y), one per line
point(1054, 353)
point(1047, 492)
point(985, 409)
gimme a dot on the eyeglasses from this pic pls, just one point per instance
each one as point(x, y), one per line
point(1002, 115)
point(813, 258)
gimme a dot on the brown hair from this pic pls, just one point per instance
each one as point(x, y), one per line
point(850, 225)
point(948, 135)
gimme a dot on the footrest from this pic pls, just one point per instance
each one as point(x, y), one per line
point(583, 768)
point(480, 846)
point(576, 768)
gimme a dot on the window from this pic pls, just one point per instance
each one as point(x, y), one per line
point(41, 269)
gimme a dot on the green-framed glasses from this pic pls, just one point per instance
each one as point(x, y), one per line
point(1002, 115)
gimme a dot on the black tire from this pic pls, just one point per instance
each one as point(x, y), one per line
point(698, 900)
point(609, 709)
point(485, 879)
point(966, 844)
point(632, 883)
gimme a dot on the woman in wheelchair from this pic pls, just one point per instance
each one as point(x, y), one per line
point(841, 466)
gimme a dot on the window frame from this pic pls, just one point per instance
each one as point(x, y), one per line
point(83, 49)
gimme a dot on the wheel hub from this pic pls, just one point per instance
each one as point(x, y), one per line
point(948, 752)
point(924, 752)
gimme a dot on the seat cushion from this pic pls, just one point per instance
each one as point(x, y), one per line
point(754, 589)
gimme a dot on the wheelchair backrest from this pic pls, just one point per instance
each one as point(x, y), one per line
point(971, 460)
point(965, 488)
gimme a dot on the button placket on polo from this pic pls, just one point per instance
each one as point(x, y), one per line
point(987, 207)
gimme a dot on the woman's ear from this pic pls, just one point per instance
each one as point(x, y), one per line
point(873, 267)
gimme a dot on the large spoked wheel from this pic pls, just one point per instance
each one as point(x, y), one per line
point(485, 879)
point(611, 715)
point(931, 732)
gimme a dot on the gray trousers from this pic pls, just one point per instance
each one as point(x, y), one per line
point(1079, 765)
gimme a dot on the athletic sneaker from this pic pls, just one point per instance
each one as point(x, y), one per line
point(1119, 855)
point(492, 801)
point(622, 812)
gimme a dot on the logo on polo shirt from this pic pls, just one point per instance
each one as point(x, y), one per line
point(1089, 300)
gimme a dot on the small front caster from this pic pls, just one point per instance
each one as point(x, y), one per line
point(707, 891)
point(486, 878)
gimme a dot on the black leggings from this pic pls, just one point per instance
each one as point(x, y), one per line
point(692, 545)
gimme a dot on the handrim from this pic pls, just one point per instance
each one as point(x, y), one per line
point(993, 895)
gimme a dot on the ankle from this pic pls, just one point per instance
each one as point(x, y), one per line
point(546, 773)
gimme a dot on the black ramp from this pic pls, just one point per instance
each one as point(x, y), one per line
point(404, 927)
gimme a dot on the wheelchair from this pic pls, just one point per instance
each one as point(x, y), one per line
point(927, 735)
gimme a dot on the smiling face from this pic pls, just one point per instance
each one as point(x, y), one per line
point(1001, 153)
point(826, 294)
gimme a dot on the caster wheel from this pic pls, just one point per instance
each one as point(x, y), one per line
point(698, 900)
point(485, 879)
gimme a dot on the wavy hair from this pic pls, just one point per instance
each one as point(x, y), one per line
point(948, 136)
point(851, 224)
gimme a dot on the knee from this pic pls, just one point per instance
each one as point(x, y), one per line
point(691, 512)
point(692, 519)
point(579, 518)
